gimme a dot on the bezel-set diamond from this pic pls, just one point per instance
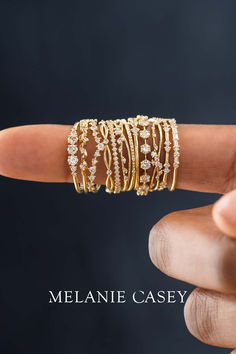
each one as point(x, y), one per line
point(145, 148)
point(145, 164)
point(144, 134)
point(145, 178)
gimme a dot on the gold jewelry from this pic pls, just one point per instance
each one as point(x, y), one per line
point(135, 130)
point(83, 141)
point(129, 164)
point(167, 148)
point(176, 153)
point(145, 149)
point(132, 164)
point(99, 147)
point(107, 156)
point(117, 187)
point(137, 144)
point(73, 160)
point(156, 153)
point(121, 141)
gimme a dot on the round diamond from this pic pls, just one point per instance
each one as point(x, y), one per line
point(143, 190)
point(92, 169)
point(72, 149)
point(158, 164)
point(153, 154)
point(100, 146)
point(72, 139)
point(83, 151)
point(145, 164)
point(73, 133)
point(144, 134)
point(145, 148)
point(176, 164)
point(72, 160)
point(144, 123)
point(176, 144)
point(144, 178)
point(73, 168)
point(83, 165)
point(109, 172)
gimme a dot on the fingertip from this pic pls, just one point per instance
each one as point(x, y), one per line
point(224, 214)
point(6, 138)
point(35, 152)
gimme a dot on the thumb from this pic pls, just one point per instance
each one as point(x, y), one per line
point(224, 213)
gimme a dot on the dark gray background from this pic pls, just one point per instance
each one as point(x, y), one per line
point(65, 60)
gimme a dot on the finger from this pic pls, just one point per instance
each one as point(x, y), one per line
point(211, 317)
point(188, 246)
point(38, 152)
point(224, 213)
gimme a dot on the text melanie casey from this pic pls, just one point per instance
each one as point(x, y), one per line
point(117, 297)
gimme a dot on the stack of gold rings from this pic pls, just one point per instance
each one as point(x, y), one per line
point(138, 153)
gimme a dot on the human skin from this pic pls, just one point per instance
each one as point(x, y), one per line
point(197, 246)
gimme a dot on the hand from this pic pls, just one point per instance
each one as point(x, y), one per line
point(196, 246)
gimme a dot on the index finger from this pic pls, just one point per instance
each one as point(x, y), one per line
point(38, 153)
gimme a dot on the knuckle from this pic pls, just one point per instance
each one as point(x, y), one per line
point(159, 244)
point(230, 175)
point(226, 266)
point(200, 314)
